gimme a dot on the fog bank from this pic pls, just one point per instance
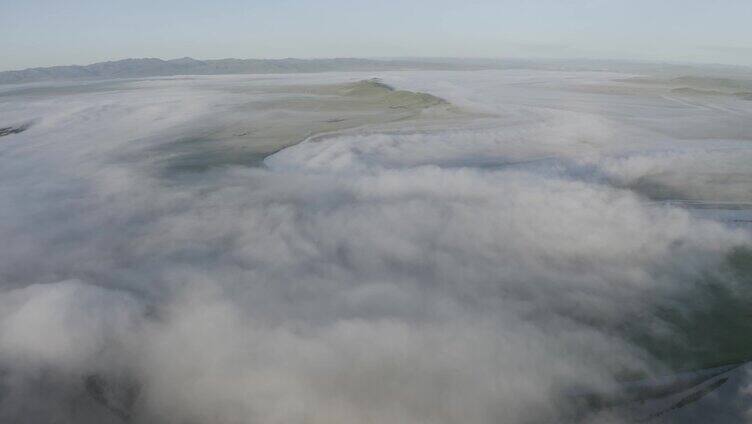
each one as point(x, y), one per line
point(550, 238)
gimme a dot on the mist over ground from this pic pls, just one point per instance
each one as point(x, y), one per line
point(514, 246)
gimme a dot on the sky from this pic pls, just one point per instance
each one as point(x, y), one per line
point(52, 32)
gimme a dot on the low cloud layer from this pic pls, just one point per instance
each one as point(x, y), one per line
point(491, 271)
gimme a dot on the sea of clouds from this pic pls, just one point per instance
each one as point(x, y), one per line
point(487, 272)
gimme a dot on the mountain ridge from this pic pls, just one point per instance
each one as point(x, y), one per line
point(155, 67)
point(151, 67)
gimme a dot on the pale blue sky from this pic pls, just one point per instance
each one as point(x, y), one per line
point(52, 32)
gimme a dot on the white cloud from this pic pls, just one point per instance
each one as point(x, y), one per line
point(473, 274)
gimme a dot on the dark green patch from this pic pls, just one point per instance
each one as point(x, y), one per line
point(709, 326)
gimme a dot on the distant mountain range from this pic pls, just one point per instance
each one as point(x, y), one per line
point(151, 67)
